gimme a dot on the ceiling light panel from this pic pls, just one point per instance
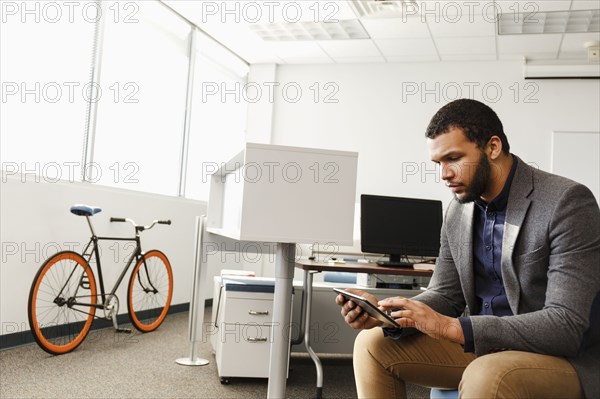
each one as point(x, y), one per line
point(384, 8)
point(577, 21)
point(306, 31)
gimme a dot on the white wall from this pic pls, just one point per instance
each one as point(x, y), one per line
point(36, 223)
point(379, 115)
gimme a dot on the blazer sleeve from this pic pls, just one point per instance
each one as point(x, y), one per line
point(444, 293)
point(573, 283)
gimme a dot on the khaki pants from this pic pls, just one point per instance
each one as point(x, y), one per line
point(383, 365)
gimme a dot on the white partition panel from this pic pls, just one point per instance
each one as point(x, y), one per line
point(273, 193)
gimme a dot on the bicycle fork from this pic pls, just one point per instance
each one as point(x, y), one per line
point(148, 287)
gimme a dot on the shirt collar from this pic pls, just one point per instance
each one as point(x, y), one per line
point(499, 203)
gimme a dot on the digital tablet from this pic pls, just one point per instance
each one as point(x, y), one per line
point(368, 307)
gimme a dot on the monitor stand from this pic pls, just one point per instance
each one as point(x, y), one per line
point(395, 261)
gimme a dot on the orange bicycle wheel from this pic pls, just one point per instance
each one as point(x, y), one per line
point(61, 302)
point(150, 291)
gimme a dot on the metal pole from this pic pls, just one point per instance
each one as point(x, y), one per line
point(89, 137)
point(282, 304)
point(308, 287)
point(300, 338)
point(197, 299)
point(188, 114)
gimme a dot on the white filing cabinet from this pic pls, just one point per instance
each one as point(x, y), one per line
point(243, 331)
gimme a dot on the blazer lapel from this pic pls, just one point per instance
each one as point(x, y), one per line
point(518, 205)
point(465, 251)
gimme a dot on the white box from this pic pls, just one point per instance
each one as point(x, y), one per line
point(371, 280)
point(273, 193)
point(366, 280)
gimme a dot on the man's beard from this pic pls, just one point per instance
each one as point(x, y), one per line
point(480, 180)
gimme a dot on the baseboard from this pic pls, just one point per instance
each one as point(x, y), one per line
point(25, 337)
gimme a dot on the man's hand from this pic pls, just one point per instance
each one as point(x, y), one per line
point(354, 315)
point(423, 318)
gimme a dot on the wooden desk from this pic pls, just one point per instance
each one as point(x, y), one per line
point(311, 267)
point(370, 268)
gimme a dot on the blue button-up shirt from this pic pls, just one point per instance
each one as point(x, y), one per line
point(488, 229)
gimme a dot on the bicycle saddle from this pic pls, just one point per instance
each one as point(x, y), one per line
point(85, 210)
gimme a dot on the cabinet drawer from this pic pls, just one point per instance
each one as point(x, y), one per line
point(247, 311)
point(238, 344)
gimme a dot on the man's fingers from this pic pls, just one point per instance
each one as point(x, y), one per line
point(398, 302)
point(406, 323)
point(349, 306)
point(402, 313)
point(359, 321)
point(350, 311)
point(354, 314)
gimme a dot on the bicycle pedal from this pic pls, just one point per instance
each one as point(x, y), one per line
point(123, 330)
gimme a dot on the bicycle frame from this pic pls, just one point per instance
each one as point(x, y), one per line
point(95, 252)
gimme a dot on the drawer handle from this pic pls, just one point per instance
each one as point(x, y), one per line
point(258, 313)
point(261, 339)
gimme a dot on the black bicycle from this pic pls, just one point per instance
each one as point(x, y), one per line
point(64, 297)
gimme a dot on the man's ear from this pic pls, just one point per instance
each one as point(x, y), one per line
point(494, 147)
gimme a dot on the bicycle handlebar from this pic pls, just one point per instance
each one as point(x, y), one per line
point(140, 228)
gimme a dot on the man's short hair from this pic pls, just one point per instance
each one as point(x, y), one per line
point(477, 120)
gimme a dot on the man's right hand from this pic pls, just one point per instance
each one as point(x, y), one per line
point(354, 315)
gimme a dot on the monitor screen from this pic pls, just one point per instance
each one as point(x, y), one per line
point(400, 227)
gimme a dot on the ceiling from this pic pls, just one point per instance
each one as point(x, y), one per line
point(395, 31)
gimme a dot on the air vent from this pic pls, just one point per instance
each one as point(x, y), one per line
point(384, 8)
point(560, 70)
point(306, 31)
point(577, 21)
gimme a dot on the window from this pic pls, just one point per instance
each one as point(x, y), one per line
point(141, 112)
point(45, 61)
point(217, 128)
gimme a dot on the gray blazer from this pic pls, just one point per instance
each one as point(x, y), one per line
point(550, 267)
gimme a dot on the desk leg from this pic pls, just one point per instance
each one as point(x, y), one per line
point(308, 286)
point(300, 338)
point(282, 309)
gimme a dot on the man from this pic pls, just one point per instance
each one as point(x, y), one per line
point(521, 248)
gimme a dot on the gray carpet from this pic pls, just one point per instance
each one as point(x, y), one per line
point(109, 365)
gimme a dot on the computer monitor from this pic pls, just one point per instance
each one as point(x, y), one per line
point(400, 227)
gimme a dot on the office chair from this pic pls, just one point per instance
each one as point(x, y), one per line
point(443, 394)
